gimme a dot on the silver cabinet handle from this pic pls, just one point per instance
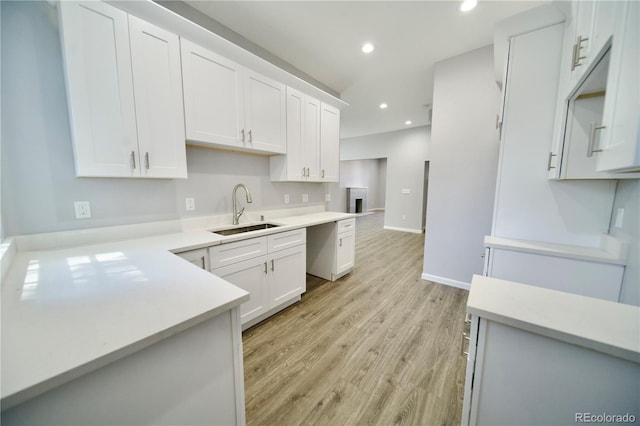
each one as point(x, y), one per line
point(576, 58)
point(592, 139)
point(265, 267)
point(242, 135)
point(340, 242)
point(146, 160)
point(273, 268)
point(133, 160)
point(549, 166)
point(304, 172)
point(465, 338)
point(322, 172)
point(308, 172)
point(250, 137)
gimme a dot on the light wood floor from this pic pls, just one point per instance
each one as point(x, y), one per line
point(379, 346)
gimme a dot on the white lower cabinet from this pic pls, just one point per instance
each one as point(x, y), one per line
point(587, 278)
point(191, 377)
point(521, 377)
point(331, 249)
point(250, 275)
point(271, 268)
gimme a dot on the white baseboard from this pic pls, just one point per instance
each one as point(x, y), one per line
point(378, 209)
point(413, 231)
point(446, 281)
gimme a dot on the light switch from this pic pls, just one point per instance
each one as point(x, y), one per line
point(190, 204)
point(406, 191)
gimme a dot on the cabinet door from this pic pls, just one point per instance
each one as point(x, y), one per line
point(582, 24)
point(345, 251)
point(97, 60)
point(265, 113)
point(250, 275)
point(296, 169)
point(311, 138)
point(619, 139)
point(213, 100)
point(155, 57)
point(199, 257)
point(329, 144)
point(602, 24)
point(287, 277)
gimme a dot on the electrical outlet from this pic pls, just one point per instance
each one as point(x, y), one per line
point(327, 197)
point(190, 204)
point(305, 198)
point(83, 209)
point(286, 198)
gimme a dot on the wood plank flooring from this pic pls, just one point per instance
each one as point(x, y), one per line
point(379, 346)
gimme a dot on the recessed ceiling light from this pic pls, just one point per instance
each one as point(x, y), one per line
point(407, 122)
point(383, 106)
point(467, 5)
point(368, 48)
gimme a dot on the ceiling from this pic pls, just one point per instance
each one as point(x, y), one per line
point(324, 38)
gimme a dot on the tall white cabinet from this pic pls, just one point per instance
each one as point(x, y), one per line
point(124, 91)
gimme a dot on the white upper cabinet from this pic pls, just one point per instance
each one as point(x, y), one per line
point(227, 105)
point(329, 143)
point(213, 98)
point(591, 27)
point(109, 81)
point(619, 142)
point(97, 59)
point(596, 129)
point(155, 57)
point(301, 163)
point(265, 113)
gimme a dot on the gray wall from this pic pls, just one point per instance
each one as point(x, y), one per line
point(628, 198)
point(405, 151)
point(370, 174)
point(462, 168)
point(38, 179)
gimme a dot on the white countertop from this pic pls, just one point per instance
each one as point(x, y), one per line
point(612, 250)
point(601, 325)
point(66, 312)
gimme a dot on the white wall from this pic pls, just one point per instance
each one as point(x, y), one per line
point(38, 178)
point(370, 174)
point(405, 151)
point(462, 167)
point(628, 198)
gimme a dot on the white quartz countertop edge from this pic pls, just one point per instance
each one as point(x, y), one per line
point(153, 253)
point(613, 251)
point(600, 325)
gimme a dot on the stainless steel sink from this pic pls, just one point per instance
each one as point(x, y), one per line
point(248, 228)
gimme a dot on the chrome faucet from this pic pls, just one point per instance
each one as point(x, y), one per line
point(236, 213)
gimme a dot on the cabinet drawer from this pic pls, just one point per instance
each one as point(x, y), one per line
point(287, 239)
point(228, 254)
point(346, 225)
